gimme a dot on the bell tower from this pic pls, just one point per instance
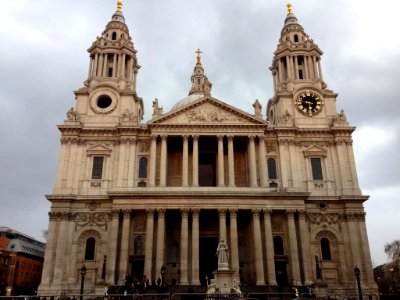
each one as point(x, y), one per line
point(109, 94)
point(301, 97)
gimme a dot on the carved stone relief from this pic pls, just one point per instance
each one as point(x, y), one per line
point(92, 219)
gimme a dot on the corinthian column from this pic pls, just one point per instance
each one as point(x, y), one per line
point(252, 162)
point(305, 247)
point(263, 165)
point(269, 247)
point(149, 244)
point(184, 247)
point(195, 247)
point(160, 239)
point(152, 167)
point(231, 162)
point(185, 160)
point(222, 225)
point(258, 255)
point(221, 175)
point(234, 243)
point(294, 254)
point(163, 161)
point(123, 259)
point(112, 247)
point(195, 180)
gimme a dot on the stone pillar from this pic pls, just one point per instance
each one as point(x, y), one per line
point(121, 162)
point(112, 247)
point(114, 70)
point(148, 258)
point(105, 63)
point(258, 254)
point(73, 263)
point(283, 163)
point(252, 162)
point(234, 246)
point(296, 68)
point(50, 247)
point(184, 247)
point(96, 60)
point(222, 225)
point(160, 240)
point(152, 167)
point(320, 70)
point(132, 163)
point(305, 247)
point(195, 247)
point(185, 161)
point(269, 248)
point(231, 161)
point(369, 276)
point(60, 250)
point(130, 69)
point(263, 164)
point(294, 250)
point(90, 73)
point(123, 258)
point(163, 161)
point(307, 73)
point(315, 65)
point(354, 238)
point(195, 175)
point(221, 173)
point(280, 70)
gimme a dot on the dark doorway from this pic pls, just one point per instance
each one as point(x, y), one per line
point(208, 260)
point(207, 169)
point(281, 273)
point(137, 268)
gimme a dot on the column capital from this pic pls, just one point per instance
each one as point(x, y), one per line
point(251, 137)
point(185, 212)
point(222, 211)
point(185, 137)
point(220, 137)
point(161, 212)
point(233, 212)
point(261, 138)
point(126, 213)
point(230, 137)
point(195, 137)
point(302, 214)
point(154, 137)
point(150, 212)
point(290, 213)
point(164, 137)
point(267, 212)
point(255, 211)
point(195, 212)
point(115, 213)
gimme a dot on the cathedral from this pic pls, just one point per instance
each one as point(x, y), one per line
point(136, 199)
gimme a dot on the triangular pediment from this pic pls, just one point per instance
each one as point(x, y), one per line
point(208, 110)
point(98, 149)
point(314, 150)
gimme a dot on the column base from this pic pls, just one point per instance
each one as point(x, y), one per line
point(273, 283)
point(258, 283)
point(196, 282)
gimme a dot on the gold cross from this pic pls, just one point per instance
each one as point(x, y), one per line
point(198, 55)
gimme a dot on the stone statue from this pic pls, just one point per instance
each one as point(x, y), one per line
point(72, 115)
point(223, 255)
point(212, 287)
point(236, 287)
point(157, 110)
point(257, 108)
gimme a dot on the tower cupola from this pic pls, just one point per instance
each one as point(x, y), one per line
point(297, 58)
point(200, 83)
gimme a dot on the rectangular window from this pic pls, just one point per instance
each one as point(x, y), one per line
point(97, 170)
point(316, 168)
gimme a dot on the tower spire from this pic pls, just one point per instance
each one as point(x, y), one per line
point(200, 83)
point(119, 6)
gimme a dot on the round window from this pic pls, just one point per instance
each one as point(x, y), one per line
point(104, 101)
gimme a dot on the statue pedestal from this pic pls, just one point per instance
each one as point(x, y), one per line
point(320, 289)
point(224, 280)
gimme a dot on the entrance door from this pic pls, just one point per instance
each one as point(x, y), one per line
point(208, 259)
point(207, 169)
point(137, 268)
point(281, 273)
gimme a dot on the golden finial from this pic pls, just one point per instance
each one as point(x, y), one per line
point(198, 55)
point(119, 6)
point(289, 8)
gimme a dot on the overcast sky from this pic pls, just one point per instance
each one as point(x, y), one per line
point(43, 59)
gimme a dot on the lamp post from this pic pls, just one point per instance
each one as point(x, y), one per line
point(83, 274)
point(357, 273)
point(163, 272)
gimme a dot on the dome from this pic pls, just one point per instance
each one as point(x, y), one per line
point(187, 100)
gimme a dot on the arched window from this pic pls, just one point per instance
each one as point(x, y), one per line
point(271, 164)
point(114, 36)
point(325, 249)
point(278, 245)
point(90, 247)
point(143, 167)
point(296, 38)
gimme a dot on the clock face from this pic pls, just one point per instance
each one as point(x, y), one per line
point(309, 103)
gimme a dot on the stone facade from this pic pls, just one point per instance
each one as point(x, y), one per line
point(131, 197)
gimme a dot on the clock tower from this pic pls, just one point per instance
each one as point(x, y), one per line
point(301, 98)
